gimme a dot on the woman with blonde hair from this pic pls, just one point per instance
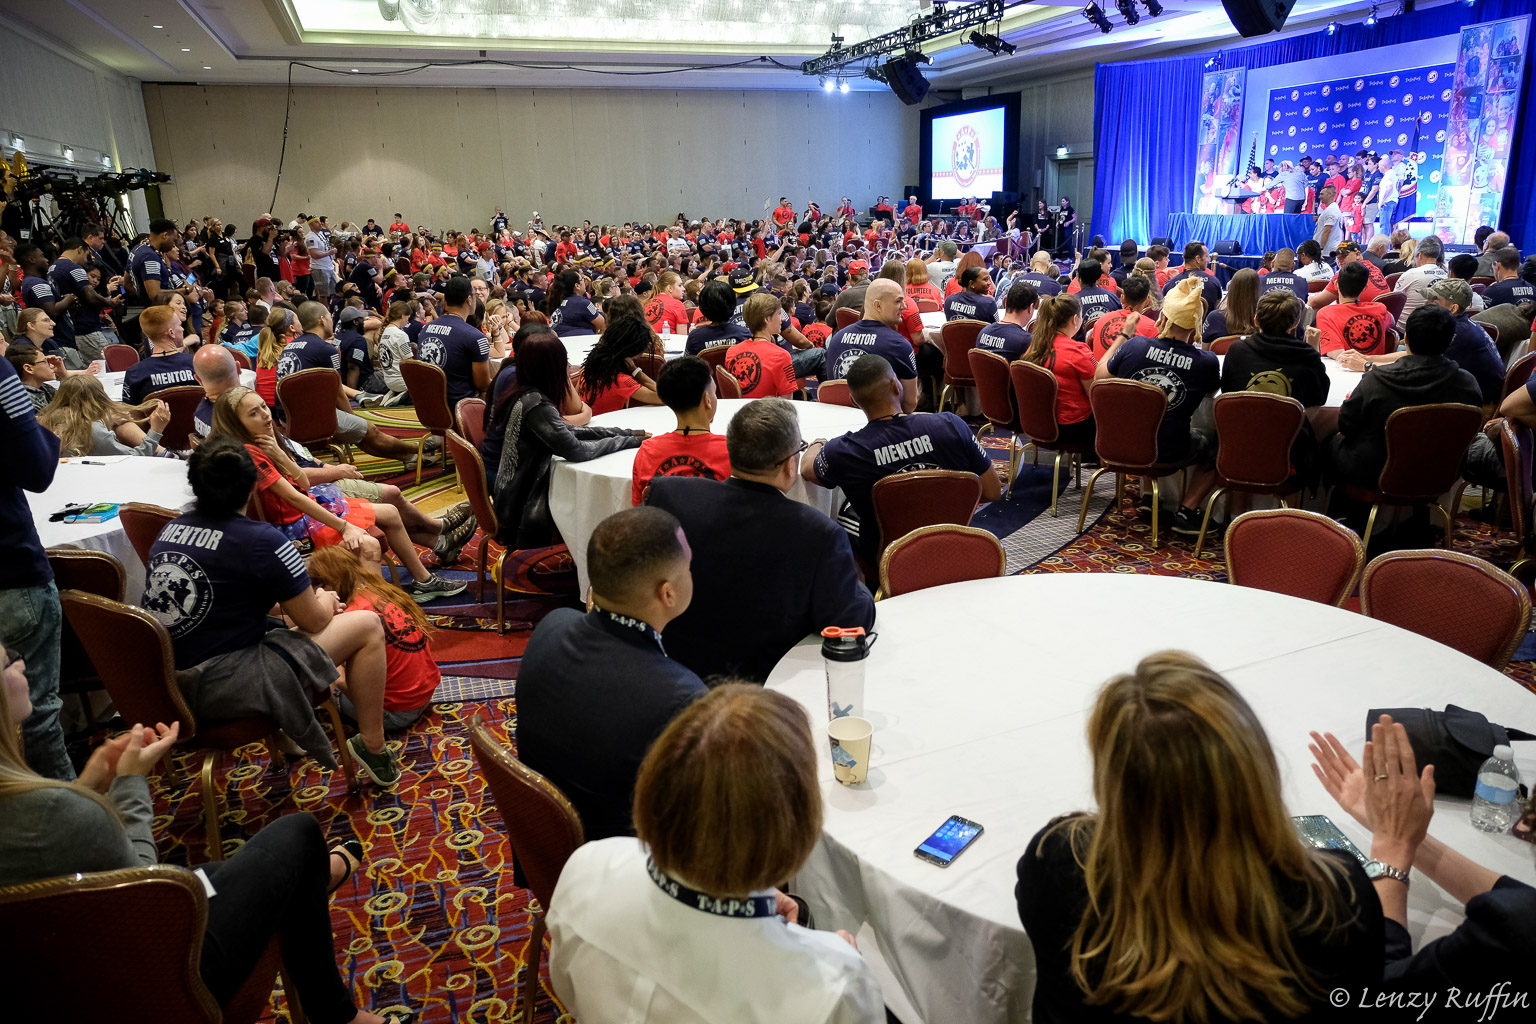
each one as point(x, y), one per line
point(281, 328)
point(1145, 267)
point(664, 310)
point(1189, 896)
point(87, 422)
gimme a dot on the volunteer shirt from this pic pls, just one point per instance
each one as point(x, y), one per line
point(211, 581)
point(1107, 329)
point(1377, 285)
point(1509, 290)
point(243, 337)
point(866, 337)
point(148, 265)
point(696, 453)
point(353, 348)
point(307, 352)
point(965, 305)
point(1185, 373)
point(1360, 327)
point(1096, 302)
point(708, 336)
point(411, 674)
point(1007, 340)
point(666, 313)
point(901, 444)
point(1294, 283)
point(762, 368)
point(455, 347)
point(156, 373)
point(575, 316)
point(35, 291)
point(70, 278)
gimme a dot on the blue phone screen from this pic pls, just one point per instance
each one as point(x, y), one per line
point(950, 838)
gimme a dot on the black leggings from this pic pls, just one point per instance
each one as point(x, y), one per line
point(275, 885)
point(1081, 432)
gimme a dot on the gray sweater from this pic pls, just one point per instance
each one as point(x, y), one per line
point(53, 831)
point(105, 442)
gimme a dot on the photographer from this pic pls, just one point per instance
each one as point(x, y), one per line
point(261, 248)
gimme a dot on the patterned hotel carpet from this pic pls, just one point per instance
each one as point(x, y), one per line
point(435, 923)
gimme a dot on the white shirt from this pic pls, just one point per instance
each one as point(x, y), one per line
point(312, 240)
point(1391, 184)
point(621, 950)
point(1328, 233)
point(1314, 272)
point(394, 349)
point(1416, 282)
point(940, 271)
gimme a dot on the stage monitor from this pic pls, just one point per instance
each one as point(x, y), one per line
point(971, 149)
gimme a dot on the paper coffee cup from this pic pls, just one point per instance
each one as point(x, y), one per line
point(851, 739)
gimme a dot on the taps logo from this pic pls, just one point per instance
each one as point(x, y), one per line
point(1327, 89)
point(1365, 141)
point(1333, 143)
point(1354, 123)
point(1445, 95)
point(966, 154)
point(1440, 135)
point(1403, 138)
point(1306, 111)
point(1291, 130)
point(1273, 150)
point(1433, 75)
point(1359, 84)
point(1322, 126)
point(1338, 106)
point(1302, 148)
point(1434, 176)
point(1408, 99)
point(1392, 82)
point(1387, 121)
point(1370, 104)
point(1275, 116)
point(1295, 94)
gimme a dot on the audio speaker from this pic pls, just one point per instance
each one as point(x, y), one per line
point(906, 81)
point(1227, 247)
point(1256, 17)
point(1164, 241)
point(911, 191)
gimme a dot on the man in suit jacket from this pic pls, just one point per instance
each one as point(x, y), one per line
point(595, 690)
point(769, 570)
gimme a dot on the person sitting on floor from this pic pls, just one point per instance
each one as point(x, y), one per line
point(87, 422)
point(595, 689)
point(726, 807)
point(687, 386)
point(809, 579)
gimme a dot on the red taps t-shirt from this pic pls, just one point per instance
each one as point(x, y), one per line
point(678, 454)
point(664, 311)
point(1360, 326)
point(411, 674)
point(762, 368)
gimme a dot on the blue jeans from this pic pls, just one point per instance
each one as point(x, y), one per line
point(809, 362)
point(30, 621)
point(1385, 214)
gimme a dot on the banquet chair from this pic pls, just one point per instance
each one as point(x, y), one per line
point(1313, 287)
point(1483, 280)
point(1479, 288)
point(143, 523)
point(183, 402)
point(959, 337)
point(94, 572)
point(242, 361)
point(925, 497)
point(932, 556)
point(994, 391)
point(542, 828)
point(928, 306)
point(471, 470)
point(715, 355)
point(1392, 280)
point(1518, 374)
point(1425, 444)
point(835, 392)
point(1455, 599)
point(427, 385)
point(649, 363)
point(1295, 552)
point(1393, 302)
point(1254, 434)
point(1220, 345)
point(132, 651)
point(50, 922)
point(1492, 331)
point(846, 317)
point(308, 399)
point(1515, 450)
point(726, 385)
point(119, 357)
point(1034, 394)
point(471, 414)
point(1127, 414)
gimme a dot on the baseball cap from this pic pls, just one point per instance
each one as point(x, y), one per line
point(349, 315)
point(858, 267)
point(1181, 307)
point(1345, 247)
point(741, 281)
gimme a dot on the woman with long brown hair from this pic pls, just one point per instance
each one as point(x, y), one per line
point(1189, 896)
point(1238, 312)
point(1054, 345)
point(87, 422)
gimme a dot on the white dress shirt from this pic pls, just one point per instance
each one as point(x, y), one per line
point(624, 952)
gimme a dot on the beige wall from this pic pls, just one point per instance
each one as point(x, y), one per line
point(444, 157)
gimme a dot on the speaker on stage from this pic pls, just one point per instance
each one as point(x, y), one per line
point(911, 191)
point(1256, 17)
point(1164, 241)
point(1227, 247)
point(907, 82)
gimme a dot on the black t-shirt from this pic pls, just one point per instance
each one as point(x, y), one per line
point(1277, 365)
point(156, 373)
point(1511, 290)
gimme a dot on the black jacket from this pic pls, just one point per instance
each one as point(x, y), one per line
point(1280, 365)
point(1359, 450)
point(592, 695)
point(767, 572)
point(1495, 943)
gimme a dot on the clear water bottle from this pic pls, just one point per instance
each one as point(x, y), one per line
point(666, 329)
point(1494, 808)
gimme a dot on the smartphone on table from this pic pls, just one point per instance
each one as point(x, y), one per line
point(948, 841)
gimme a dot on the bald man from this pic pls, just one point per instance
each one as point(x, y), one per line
point(876, 335)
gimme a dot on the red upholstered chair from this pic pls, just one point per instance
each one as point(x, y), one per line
point(427, 385)
point(143, 523)
point(308, 397)
point(1519, 373)
point(93, 572)
point(932, 556)
point(1127, 414)
point(1392, 280)
point(119, 357)
point(1393, 301)
point(1483, 280)
point(994, 389)
point(1313, 287)
point(471, 470)
point(471, 415)
point(132, 651)
point(926, 497)
point(715, 355)
point(183, 402)
point(1425, 444)
point(1254, 434)
point(847, 317)
point(959, 337)
point(1220, 345)
point(1034, 394)
point(834, 392)
point(928, 306)
point(1479, 288)
point(649, 363)
point(542, 828)
point(242, 361)
point(726, 385)
point(50, 922)
point(1458, 600)
point(1292, 551)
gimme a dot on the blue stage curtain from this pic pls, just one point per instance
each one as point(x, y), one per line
point(1146, 120)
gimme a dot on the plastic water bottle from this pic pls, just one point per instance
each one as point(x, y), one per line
point(666, 329)
point(1494, 808)
point(843, 651)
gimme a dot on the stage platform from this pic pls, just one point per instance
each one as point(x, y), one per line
point(1257, 233)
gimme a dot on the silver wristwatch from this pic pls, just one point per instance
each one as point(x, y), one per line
point(1375, 869)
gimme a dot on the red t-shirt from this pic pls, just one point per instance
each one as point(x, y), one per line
point(566, 251)
point(911, 324)
point(1107, 328)
point(1377, 285)
point(1105, 281)
point(400, 225)
point(664, 311)
point(925, 291)
point(783, 215)
point(677, 454)
point(760, 247)
point(913, 213)
point(817, 334)
point(273, 509)
point(1361, 326)
point(411, 673)
point(612, 398)
point(761, 368)
point(1072, 363)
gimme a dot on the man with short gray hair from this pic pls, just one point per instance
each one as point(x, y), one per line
point(803, 575)
point(1429, 267)
point(1376, 251)
point(1486, 259)
point(941, 265)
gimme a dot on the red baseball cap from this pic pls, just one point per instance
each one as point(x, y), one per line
point(858, 267)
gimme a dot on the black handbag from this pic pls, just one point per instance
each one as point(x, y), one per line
point(1456, 741)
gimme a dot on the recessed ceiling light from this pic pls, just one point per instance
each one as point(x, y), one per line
point(157, 26)
point(186, 49)
point(207, 67)
point(354, 71)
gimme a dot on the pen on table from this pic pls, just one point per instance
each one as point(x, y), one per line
point(88, 462)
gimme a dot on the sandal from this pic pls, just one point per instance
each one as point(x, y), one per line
point(350, 851)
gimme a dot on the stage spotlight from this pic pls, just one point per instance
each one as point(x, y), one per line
point(1095, 15)
point(1370, 19)
point(1333, 27)
point(919, 56)
point(828, 84)
point(992, 44)
point(1153, 7)
point(875, 73)
point(842, 87)
point(1127, 9)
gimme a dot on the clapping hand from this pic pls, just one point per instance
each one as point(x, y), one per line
point(1340, 774)
point(131, 753)
point(1398, 800)
point(160, 417)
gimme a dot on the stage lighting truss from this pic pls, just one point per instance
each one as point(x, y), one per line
point(1153, 8)
point(942, 20)
point(1096, 16)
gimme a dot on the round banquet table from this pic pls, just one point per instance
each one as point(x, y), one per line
point(579, 346)
point(112, 383)
point(969, 721)
point(119, 478)
point(583, 494)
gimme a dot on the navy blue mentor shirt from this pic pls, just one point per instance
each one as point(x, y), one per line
point(308, 352)
point(1186, 375)
point(455, 347)
point(1007, 340)
point(867, 337)
point(157, 373)
point(31, 457)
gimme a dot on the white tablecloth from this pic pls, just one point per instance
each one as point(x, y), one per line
point(112, 383)
point(969, 721)
point(579, 346)
point(583, 494)
point(119, 478)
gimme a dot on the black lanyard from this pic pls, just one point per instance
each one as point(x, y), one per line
point(760, 907)
point(644, 628)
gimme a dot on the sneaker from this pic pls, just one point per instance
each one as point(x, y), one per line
point(452, 540)
point(1187, 521)
point(393, 398)
point(434, 587)
point(434, 443)
point(382, 768)
point(454, 516)
point(369, 401)
point(1145, 506)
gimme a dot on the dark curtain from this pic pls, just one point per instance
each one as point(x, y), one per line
point(1146, 120)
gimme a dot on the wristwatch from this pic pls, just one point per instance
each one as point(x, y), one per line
point(1375, 869)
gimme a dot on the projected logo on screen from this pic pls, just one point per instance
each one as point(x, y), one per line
point(967, 153)
point(965, 156)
